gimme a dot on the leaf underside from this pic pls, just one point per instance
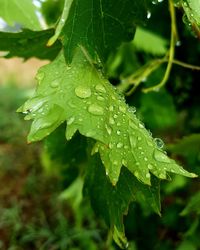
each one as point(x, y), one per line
point(27, 44)
point(80, 95)
point(22, 12)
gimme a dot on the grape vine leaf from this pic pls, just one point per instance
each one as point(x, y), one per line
point(28, 44)
point(22, 12)
point(99, 26)
point(112, 202)
point(80, 95)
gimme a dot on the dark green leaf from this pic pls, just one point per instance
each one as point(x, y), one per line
point(101, 26)
point(112, 202)
point(28, 44)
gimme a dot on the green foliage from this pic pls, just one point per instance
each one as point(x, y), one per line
point(18, 44)
point(156, 45)
point(108, 152)
point(99, 26)
point(23, 13)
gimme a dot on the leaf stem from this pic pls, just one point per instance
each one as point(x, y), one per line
point(61, 23)
point(171, 50)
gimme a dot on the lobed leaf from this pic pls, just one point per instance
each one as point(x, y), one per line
point(112, 202)
point(99, 26)
point(80, 95)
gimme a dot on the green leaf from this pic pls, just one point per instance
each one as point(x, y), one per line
point(80, 95)
point(149, 42)
point(99, 26)
point(22, 12)
point(28, 44)
point(158, 110)
point(189, 148)
point(112, 202)
point(193, 205)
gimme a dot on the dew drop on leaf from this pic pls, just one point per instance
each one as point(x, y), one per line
point(100, 98)
point(95, 109)
point(40, 76)
point(55, 83)
point(150, 166)
point(120, 145)
point(83, 91)
point(160, 156)
point(100, 88)
point(111, 121)
point(159, 142)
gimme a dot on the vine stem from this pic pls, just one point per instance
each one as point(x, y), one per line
point(171, 50)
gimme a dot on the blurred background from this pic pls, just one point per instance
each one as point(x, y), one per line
point(41, 205)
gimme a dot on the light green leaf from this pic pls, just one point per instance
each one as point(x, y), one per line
point(22, 12)
point(112, 203)
point(80, 95)
point(149, 42)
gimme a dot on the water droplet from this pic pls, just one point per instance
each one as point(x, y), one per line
point(83, 91)
point(70, 121)
point(40, 76)
point(100, 88)
point(160, 156)
point(118, 132)
point(133, 141)
point(55, 83)
point(150, 166)
point(136, 174)
point(162, 176)
point(148, 14)
point(115, 116)
point(178, 43)
point(139, 138)
point(111, 121)
point(100, 98)
point(159, 142)
point(118, 124)
point(145, 159)
point(95, 109)
point(106, 172)
point(111, 108)
point(109, 130)
point(132, 110)
point(119, 145)
point(122, 109)
point(124, 162)
point(148, 175)
point(141, 125)
point(110, 145)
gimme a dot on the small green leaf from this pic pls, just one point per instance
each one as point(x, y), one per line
point(112, 203)
point(80, 95)
point(149, 42)
point(22, 12)
point(28, 44)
